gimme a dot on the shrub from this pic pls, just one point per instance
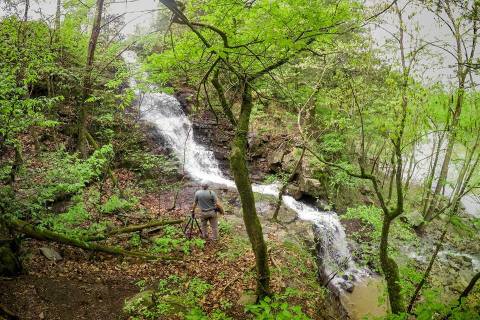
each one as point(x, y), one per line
point(115, 204)
point(271, 309)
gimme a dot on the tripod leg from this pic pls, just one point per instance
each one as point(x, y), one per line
point(198, 227)
point(190, 221)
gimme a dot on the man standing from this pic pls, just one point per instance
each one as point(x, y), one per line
point(208, 202)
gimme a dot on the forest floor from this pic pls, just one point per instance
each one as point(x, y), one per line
point(87, 285)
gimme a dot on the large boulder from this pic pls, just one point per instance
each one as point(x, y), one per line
point(50, 254)
point(274, 160)
point(294, 191)
point(310, 186)
point(289, 161)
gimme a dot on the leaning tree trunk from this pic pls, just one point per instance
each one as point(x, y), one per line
point(426, 274)
point(47, 235)
point(87, 81)
point(238, 164)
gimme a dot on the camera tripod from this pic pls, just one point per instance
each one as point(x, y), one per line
point(188, 229)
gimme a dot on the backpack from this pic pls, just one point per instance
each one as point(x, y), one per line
point(217, 207)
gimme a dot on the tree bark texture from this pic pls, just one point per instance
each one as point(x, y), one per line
point(238, 165)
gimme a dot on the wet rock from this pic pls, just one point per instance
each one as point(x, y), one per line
point(274, 160)
point(256, 145)
point(294, 191)
point(289, 161)
point(310, 186)
point(185, 97)
point(347, 286)
point(50, 254)
point(286, 215)
point(459, 262)
point(323, 205)
point(263, 207)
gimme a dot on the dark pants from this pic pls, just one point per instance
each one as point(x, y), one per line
point(209, 216)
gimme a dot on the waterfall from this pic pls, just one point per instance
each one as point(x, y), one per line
point(165, 112)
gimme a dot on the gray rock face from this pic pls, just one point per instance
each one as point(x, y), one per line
point(274, 160)
point(50, 254)
point(310, 186)
point(294, 191)
point(347, 286)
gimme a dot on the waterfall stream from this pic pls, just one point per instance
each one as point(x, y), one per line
point(165, 112)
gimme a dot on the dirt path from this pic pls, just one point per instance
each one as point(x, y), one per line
point(32, 297)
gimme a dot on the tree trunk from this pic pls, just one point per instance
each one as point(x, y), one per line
point(238, 165)
point(25, 13)
point(42, 234)
point(17, 163)
point(426, 274)
point(9, 263)
point(452, 136)
point(57, 15)
point(223, 101)
point(87, 81)
point(431, 176)
point(469, 288)
point(390, 270)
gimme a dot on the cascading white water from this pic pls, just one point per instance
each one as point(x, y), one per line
point(165, 112)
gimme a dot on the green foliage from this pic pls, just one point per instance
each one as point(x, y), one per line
point(225, 227)
point(57, 176)
point(135, 240)
point(74, 216)
point(274, 309)
point(174, 296)
point(370, 215)
point(26, 59)
point(198, 314)
point(172, 240)
point(115, 204)
point(237, 247)
point(280, 177)
point(147, 164)
point(368, 236)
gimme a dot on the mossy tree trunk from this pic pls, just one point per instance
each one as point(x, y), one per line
point(87, 81)
point(9, 262)
point(390, 270)
point(238, 165)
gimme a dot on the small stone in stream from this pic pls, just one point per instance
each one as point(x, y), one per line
point(345, 277)
point(247, 298)
point(41, 316)
point(347, 286)
point(50, 254)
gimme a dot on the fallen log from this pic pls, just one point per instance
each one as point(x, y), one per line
point(42, 234)
point(133, 228)
point(7, 314)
